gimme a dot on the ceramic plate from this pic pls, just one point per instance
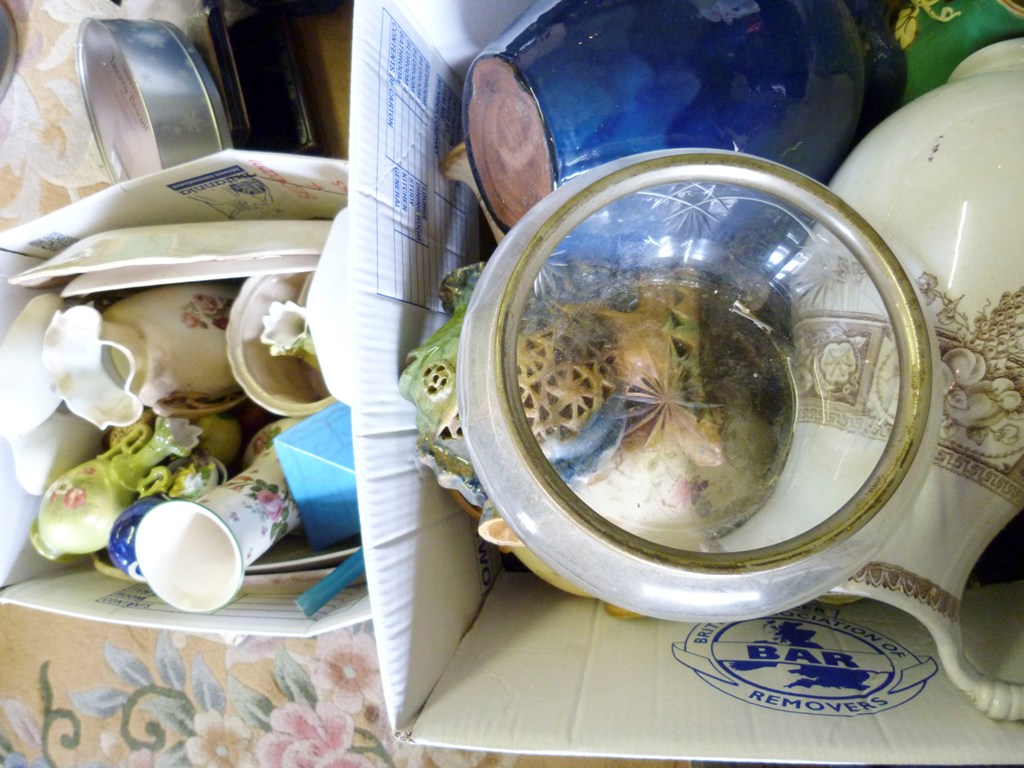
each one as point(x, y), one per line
point(294, 554)
point(290, 555)
point(262, 580)
point(138, 256)
point(146, 276)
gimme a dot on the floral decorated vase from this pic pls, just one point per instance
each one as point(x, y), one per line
point(571, 85)
point(941, 180)
point(192, 477)
point(78, 510)
point(164, 348)
point(193, 553)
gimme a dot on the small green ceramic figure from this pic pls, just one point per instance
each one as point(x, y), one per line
point(428, 382)
point(80, 507)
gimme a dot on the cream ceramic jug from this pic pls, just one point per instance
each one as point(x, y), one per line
point(941, 180)
point(163, 348)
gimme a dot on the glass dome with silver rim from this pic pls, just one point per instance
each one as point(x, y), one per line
point(697, 385)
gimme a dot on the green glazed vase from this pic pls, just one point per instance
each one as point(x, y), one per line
point(78, 510)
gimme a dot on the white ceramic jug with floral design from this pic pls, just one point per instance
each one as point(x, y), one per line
point(164, 347)
point(942, 181)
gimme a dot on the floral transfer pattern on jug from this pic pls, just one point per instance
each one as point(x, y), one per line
point(983, 409)
point(846, 371)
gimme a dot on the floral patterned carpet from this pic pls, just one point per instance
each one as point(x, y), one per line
point(81, 694)
point(77, 693)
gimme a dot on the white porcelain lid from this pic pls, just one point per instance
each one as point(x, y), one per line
point(694, 383)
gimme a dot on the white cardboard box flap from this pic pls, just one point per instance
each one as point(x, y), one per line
point(566, 677)
point(411, 227)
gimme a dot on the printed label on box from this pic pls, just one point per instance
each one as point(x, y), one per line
point(808, 660)
point(423, 232)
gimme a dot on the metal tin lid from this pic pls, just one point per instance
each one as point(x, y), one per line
point(151, 100)
point(698, 385)
point(8, 49)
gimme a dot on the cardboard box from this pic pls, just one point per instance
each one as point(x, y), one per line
point(230, 184)
point(475, 657)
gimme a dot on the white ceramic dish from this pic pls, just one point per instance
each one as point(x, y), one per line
point(138, 256)
point(283, 384)
point(146, 277)
point(293, 553)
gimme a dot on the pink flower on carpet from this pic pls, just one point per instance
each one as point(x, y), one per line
point(308, 738)
point(344, 669)
point(118, 753)
point(140, 758)
point(253, 648)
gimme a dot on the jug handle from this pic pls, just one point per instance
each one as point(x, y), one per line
point(999, 699)
point(158, 480)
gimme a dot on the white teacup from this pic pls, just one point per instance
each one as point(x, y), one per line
point(193, 554)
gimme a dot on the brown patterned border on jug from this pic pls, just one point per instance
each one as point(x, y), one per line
point(897, 579)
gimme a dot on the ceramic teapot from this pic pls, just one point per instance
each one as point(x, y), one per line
point(941, 181)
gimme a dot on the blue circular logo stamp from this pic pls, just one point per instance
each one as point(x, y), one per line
point(807, 660)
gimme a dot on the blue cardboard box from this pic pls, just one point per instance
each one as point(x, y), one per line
point(316, 456)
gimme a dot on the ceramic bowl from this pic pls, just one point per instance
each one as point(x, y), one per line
point(569, 86)
point(701, 386)
point(151, 100)
point(286, 385)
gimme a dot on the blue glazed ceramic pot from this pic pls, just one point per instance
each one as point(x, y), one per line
point(574, 84)
point(121, 547)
